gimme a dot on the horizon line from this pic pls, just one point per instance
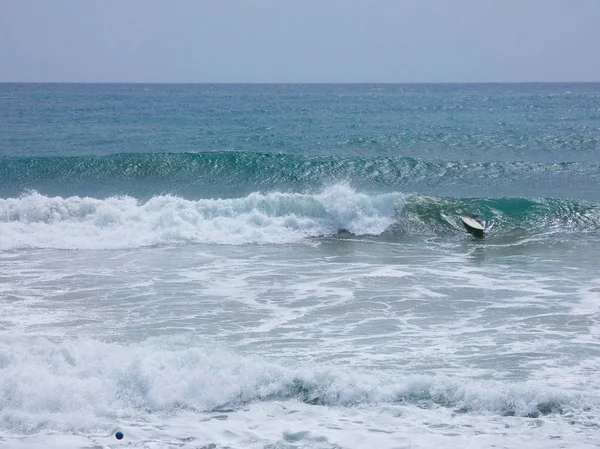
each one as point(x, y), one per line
point(300, 82)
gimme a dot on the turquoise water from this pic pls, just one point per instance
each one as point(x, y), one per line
point(284, 265)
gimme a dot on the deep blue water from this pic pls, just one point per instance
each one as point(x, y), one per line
point(489, 140)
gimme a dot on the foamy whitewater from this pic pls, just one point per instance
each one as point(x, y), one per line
point(285, 266)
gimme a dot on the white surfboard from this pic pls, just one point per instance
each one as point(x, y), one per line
point(471, 223)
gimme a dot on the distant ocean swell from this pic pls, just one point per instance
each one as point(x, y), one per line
point(33, 220)
point(168, 377)
point(243, 172)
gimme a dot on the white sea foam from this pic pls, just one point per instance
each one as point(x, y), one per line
point(38, 221)
point(90, 388)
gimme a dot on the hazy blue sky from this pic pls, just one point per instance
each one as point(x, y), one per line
point(299, 41)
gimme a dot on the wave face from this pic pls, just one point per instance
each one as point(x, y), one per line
point(437, 216)
point(232, 174)
point(34, 220)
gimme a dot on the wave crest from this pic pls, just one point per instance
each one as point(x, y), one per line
point(39, 221)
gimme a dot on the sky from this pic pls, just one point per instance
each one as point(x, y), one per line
point(299, 41)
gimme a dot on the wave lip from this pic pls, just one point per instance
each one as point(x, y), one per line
point(38, 221)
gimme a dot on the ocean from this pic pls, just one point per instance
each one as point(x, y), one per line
point(284, 266)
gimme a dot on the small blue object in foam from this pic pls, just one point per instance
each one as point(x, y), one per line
point(119, 435)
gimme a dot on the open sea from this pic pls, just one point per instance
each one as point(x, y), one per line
point(284, 266)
